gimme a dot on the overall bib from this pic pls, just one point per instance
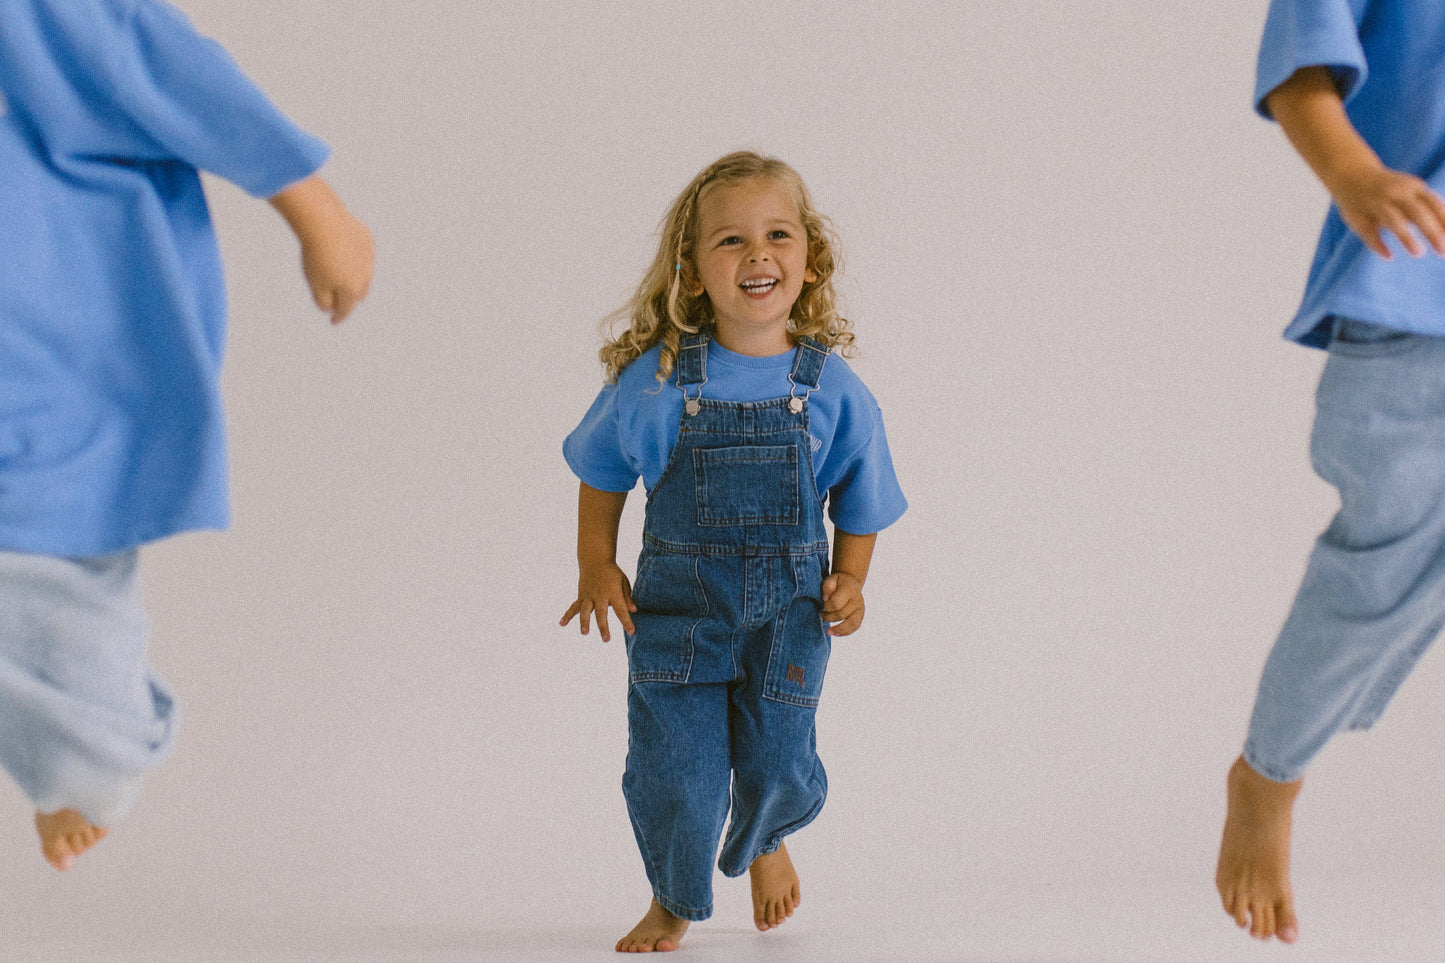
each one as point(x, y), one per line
point(726, 665)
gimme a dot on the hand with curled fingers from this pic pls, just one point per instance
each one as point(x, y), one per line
point(843, 603)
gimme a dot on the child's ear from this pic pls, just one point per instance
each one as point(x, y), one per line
point(809, 275)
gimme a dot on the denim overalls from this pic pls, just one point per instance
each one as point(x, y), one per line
point(727, 661)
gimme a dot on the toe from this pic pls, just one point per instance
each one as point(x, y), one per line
point(59, 856)
point(1263, 922)
point(1288, 926)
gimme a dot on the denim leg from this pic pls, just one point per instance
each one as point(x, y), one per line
point(676, 786)
point(779, 784)
point(1373, 595)
point(82, 716)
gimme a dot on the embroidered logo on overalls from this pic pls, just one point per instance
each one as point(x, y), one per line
point(795, 674)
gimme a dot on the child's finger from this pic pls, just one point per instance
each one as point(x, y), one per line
point(624, 617)
point(843, 608)
point(839, 605)
point(849, 625)
point(585, 611)
point(324, 297)
point(1428, 219)
point(1399, 225)
point(572, 611)
point(1371, 236)
point(345, 301)
point(602, 625)
point(1436, 208)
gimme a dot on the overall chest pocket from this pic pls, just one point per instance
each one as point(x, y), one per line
point(746, 485)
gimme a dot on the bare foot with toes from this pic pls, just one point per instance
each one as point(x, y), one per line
point(775, 888)
point(64, 835)
point(1253, 873)
point(659, 930)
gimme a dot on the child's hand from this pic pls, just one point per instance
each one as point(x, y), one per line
point(1387, 200)
point(597, 588)
point(337, 252)
point(1372, 198)
point(338, 265)
point(843, 603)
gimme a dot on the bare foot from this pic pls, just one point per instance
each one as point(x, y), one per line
point(659, 930)
point(64, 835)
point(1253, 873)
point(775, 888)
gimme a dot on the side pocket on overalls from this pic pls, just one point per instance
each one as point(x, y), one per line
point(670, 603)
point(801, 644)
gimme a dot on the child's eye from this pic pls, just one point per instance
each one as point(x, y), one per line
point(779, 234)
point(731, 239)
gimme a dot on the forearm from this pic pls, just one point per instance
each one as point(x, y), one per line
point(853, 553)
point(1312, 115)
point(1373, 200)
point(311, 208)
point(598, 515)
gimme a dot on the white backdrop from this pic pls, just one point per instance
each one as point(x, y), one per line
point(1069, 251)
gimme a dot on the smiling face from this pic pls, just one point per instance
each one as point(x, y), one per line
point(752, 260)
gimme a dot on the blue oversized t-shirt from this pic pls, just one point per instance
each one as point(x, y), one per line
point(1388, 60)
point(631, 428)
point(112, 301)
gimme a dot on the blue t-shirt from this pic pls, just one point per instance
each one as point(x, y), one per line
point(630, 430)
point(1386, 59)
point(112, 302)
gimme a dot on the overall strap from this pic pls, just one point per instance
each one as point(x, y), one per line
point(807, 370)
point(691, 370)
point(691, 366)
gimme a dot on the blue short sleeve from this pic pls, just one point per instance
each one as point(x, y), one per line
point(133, 79)
point(1310, 33)
point(866, 497)
point(594, 450)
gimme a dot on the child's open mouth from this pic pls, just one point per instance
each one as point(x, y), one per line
point(759, 287)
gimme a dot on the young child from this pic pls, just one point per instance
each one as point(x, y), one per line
point(1356, 86)
point(112, 317)
point(724, 396)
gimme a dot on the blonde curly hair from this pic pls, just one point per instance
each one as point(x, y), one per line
point(664, 307)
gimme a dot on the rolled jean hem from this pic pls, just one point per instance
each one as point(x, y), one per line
point(734, 872)
point(680, 911)
point(1272, 773)
point(103, 815)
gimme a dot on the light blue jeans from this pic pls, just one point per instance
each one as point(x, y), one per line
point(82, 715)
point(1373, 595)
